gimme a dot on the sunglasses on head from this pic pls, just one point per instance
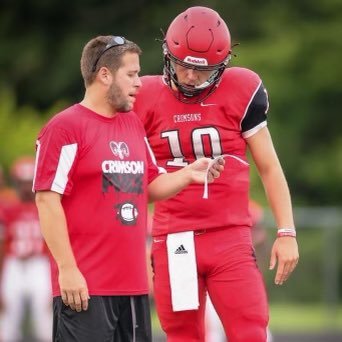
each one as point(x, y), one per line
point(115, 41)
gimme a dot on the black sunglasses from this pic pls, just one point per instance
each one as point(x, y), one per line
point(115, 41)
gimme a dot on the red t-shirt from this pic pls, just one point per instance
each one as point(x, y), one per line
point(21, 231)
point(102, 167)
point(179, 133)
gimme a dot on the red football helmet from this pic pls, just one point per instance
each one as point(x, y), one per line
point(199, 39)
point(23, 169)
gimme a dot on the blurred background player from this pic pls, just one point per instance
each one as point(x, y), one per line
point(7, 194)
point(24, 266)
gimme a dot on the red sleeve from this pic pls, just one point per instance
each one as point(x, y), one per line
point(147, 97)
point(153, 169)
point(56, 152)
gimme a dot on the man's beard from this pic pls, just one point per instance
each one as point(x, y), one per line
point(116, 99)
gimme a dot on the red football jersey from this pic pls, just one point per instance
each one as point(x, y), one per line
point(21, 233)
point(102, 167)
point(179, 133)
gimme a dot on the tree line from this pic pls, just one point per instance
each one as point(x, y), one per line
point(295, 47)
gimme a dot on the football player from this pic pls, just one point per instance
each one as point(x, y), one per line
point(25, 272)
point(202, 107)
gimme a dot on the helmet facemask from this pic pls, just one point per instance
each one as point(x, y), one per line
point(186, 93)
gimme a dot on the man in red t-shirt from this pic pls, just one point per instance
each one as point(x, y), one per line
point(200, 108)
point(94, 176)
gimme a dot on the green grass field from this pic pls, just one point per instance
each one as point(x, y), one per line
point(304, 317)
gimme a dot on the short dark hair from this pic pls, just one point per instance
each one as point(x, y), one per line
point(110, 59)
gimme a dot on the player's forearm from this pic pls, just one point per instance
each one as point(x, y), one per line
point(54, 228)
point(278, 195)
point(271, 173)
point(169, 184)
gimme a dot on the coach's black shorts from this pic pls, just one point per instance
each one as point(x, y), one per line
point(108, 319)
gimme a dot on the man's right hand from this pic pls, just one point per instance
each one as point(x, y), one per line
point(74, 290)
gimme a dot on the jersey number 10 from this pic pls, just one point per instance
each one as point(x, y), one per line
point(197, 141)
